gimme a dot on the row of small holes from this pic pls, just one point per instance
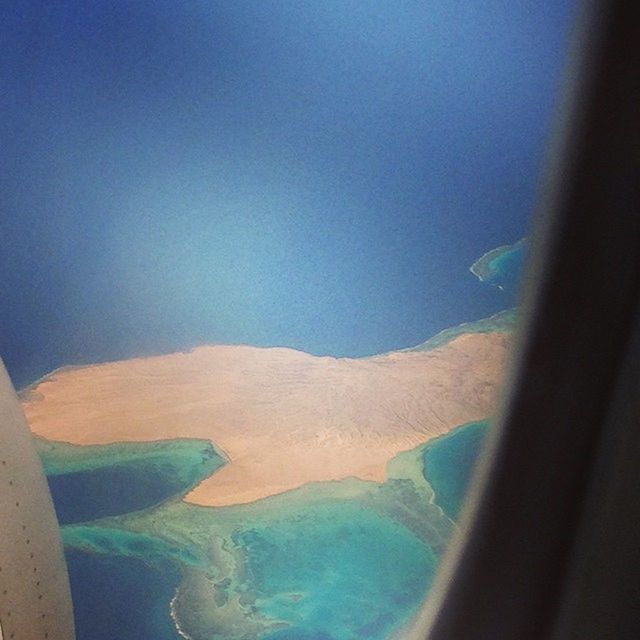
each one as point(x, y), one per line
point(35, 569)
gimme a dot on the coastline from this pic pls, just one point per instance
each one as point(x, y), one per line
point(251, 534)
point(91, 482)
point(459, 451)
point(24, 392)
point(405, 498)
point(501, 322)
point(225, 581)
point(60, 457)
point(408, 628)
point(28, 393)
point(338, 417)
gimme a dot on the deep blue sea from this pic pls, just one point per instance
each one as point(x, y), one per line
point(121, 598)
point(109, 491)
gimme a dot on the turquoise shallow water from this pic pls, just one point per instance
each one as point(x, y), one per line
point(334, 570)
point(337, 572)
point(449, 463)
point(505, 270)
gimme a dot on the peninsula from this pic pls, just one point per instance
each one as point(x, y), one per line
point(283, 418)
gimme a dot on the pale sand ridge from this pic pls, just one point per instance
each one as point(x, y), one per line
point(283, 417)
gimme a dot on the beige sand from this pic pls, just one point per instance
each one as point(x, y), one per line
point(283, 417)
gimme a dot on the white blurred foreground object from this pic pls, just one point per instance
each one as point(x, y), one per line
point(35, 601)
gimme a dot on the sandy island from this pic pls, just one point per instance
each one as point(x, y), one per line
point(282, 417)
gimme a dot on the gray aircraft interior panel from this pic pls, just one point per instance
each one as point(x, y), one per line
point(35, 602)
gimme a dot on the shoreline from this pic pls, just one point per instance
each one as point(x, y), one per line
point(280, 418)
point(23, 392)
point(175, 524)
point(174, 617)
point(502, 322)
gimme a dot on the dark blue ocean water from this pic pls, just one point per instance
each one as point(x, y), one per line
point(127, 484)
point(109, 491)
point(449, 463)
point(312, 174)
point(459, 298)
point(121, 598)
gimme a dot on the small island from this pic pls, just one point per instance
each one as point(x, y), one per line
point(499, 261)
